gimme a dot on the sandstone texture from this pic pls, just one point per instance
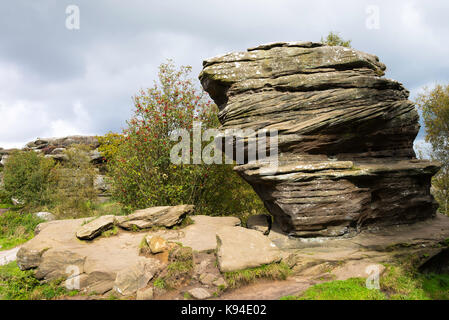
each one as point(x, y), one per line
point(95, 227)
point(345, 136)
point(200, 293)
point(155, 217)
point(202, 235)
point(239, 248)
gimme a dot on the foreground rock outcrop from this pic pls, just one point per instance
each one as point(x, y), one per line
point(118, 264)
point(345, 136)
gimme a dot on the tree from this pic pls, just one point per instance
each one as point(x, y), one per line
point(139, 159)
point(334, 39)
point(434, 105)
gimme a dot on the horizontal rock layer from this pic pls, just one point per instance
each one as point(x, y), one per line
point(345, 136)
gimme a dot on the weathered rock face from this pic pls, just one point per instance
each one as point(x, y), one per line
point(345, 136)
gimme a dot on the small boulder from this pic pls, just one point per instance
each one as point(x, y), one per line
point(207, 278)
point(157, 244)
point(200, 293)
point(220, 282)
point(46, 216)
point(95, 227)
point(155, 217)
point(145, 294)
point(240, 248)
point(260, 222)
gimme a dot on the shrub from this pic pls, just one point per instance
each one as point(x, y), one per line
point(334, 39)
point(26, 176)
point(66, 188)
point(22, 285)
point(16, 228)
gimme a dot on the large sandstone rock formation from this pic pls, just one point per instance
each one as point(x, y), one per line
point(346, 158)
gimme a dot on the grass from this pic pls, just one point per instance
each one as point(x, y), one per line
point(274, 271)
point(184, 223)
point(187, 296)
point(111, 232)
point(397, 283)
point(110, 207)
point(351, 289)
point(6, 206)
point(159, 283)
point(16, 228)
point(22, 285)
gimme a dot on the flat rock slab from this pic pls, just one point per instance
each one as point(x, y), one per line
point(201, 236)
point(240, 248)
point(155, 217)
point(95, 227)
point(200, 293)
point(55, 251)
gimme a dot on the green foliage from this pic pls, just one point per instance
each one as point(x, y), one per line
point(66, 189)
point(139, 159)
point(26, 176)
point(159, 283)
point(16, 228)
point(434, 105)
point(187, 296)
point(22, 285)
point(351, 289)
point(274, 271)
point(5, 199)
point(334, 39)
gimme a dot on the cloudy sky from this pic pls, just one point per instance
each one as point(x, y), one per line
point(57, 81)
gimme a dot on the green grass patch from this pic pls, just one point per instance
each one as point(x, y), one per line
point(184, 223)
point(159, 283)
point(16, 228)
point(397, 283)
point(274, 271)
point(187, 296)
point(111, 232)
point(351, 289)
point(22, 285)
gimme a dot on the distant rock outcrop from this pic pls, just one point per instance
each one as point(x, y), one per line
point(55, 148)
point(345, 136)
